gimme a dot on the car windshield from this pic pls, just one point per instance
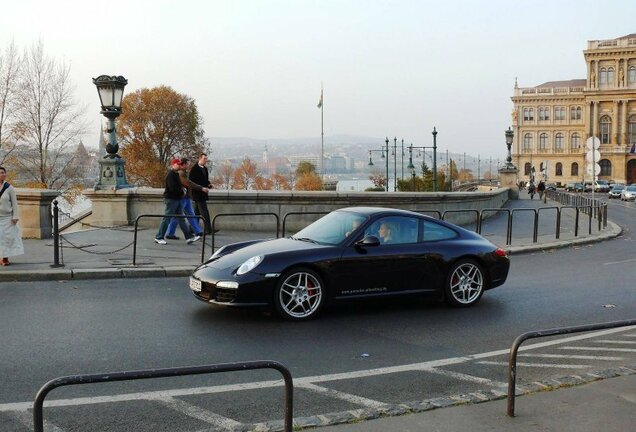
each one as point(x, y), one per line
point(601, 182)
point(331, 229)
point(618, 187)
point(630, 188)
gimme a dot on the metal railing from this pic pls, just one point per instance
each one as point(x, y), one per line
point(243, 214)
point(512, 362)
point(424, 212)
point(508, 225)
point(134, 260)
point(477, 218)
point(38, 417)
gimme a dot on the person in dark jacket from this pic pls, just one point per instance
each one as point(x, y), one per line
point(172, 194)
point(186, 203)
point(200, 176)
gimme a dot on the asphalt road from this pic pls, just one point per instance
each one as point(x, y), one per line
point(353, 356)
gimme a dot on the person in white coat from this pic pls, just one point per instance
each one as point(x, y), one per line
point(10, 238)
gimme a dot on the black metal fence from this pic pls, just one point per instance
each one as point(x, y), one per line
point(275, 215)
point(38, 417)
point(512, 362)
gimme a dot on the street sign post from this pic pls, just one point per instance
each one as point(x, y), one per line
point(592, 144)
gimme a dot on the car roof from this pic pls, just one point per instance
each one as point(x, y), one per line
point(374, 211)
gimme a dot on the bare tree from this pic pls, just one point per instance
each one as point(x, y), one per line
point(9, 71)
point(224, 176)
point(48, 121)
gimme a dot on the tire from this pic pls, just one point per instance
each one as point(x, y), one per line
point(299, 295)
point(465, 283)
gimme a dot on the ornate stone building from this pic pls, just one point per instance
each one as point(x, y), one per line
point(553, 120)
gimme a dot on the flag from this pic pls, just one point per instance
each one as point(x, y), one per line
point(633, 149)
point(320, 101)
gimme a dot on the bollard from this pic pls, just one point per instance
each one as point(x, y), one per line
point(56, 237)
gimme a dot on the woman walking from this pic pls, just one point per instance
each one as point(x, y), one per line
point(10, 239)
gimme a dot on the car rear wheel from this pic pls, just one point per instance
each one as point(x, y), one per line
point(299, 294)
point(465, 284)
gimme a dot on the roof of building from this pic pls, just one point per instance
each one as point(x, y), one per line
point(629, 36)
point(567, 83)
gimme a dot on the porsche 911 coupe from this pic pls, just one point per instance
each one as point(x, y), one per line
point(353, 253)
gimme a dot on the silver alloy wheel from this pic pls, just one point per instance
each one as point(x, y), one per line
point(466, 283)
point(300, 295)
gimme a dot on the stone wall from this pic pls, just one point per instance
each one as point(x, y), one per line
point(124, 206)
point(34, 206)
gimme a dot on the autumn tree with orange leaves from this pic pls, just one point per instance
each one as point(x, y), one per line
point(157, 125)
point(245, 175)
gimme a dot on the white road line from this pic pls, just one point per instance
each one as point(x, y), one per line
point(620, 262)
point(616, 342)
point(630, 335)
point(539, 365)
point(598, 349)
point(26, 418)
point(198, 413)
point(309, 379)
point(576, 357)
point(357, 400)
point(465, 377)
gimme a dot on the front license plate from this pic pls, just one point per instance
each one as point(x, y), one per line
point(195, 285)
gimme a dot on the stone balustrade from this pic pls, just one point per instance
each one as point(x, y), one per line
point(34, 206)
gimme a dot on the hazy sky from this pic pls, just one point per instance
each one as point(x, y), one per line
point(393, 68)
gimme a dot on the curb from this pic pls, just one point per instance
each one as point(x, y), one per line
point(95, 273)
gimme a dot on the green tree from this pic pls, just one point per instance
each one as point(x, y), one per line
point(304, 168)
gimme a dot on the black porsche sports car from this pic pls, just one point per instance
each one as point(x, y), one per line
point(353, 253)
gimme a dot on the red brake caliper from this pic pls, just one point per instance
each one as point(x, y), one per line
point(310, 285)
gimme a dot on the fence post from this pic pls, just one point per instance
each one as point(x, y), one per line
point(56, 237)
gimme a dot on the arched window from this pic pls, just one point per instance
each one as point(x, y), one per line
point(606, 167)
point(558, 142)
point(527, 142)
point(606, 129)
point(602, 79)
point(575, 142)
point(631, 132)
point(631, 75)
point(526, 169)
point(558, 169)
point(574, 171)
point(543, 141)
point(610, 76)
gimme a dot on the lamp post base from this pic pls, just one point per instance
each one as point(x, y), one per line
point(112, 174)
point(508, 177)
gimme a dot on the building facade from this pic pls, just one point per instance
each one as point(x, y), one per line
point(552, 121)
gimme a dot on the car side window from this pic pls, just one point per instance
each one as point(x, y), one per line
point(435, 232)
point(394, 230)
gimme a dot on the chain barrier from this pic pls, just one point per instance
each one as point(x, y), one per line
point(84, 248)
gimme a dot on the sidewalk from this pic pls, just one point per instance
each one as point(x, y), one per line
point(108, 253)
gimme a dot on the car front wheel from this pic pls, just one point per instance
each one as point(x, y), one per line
point(465, 284)
point(299, 294)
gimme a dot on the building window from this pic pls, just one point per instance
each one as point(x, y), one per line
point(544, 114)
point(558, 142)
point(558, 170)
point(602, 79)
point(543, 141)
point(606, 129)
point(610, 76)
point(606, 167)
point(575, 113)
point(527, 142)
point(631, 133)
point(526, 169)
point(559, 113)
point(528, 114)
point(575, 143)
point(574, 170)
point(631, 75)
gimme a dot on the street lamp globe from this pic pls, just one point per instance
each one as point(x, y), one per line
point(111, 93)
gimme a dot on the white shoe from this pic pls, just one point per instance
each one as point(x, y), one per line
point(160, 241)
point(193, 239)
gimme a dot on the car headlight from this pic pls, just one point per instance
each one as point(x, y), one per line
point(249, 264)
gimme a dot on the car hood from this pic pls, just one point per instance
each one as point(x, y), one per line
point(281, 245)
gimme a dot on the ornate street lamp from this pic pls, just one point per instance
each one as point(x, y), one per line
point(509, 138)
point(112, 174)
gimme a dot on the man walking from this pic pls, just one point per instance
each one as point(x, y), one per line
point(173, 194)
point(186, 203)
point(199, 175)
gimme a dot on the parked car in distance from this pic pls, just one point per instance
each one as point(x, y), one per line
point(574, 187)
point(550, 186)
point(616, 191)
point(629, 193)
point(601, 186)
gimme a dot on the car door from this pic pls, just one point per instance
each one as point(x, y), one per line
point(382, 269)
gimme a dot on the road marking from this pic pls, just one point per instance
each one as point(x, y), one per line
point(620, 262)
point(357, 400)
point(616, 342)
point(465, 377)
point(600, 349)
point(315, 378)
point(577, 357)
point(198, 413)
point(26, 418)
point(539, 365)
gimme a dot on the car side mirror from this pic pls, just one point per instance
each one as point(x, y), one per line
point(369, 241)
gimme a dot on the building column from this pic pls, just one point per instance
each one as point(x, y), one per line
point(615, 124)
point(594, 118)
point(624, 123)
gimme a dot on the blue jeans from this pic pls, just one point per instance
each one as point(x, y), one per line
point(173, 207)
point(186, 205)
